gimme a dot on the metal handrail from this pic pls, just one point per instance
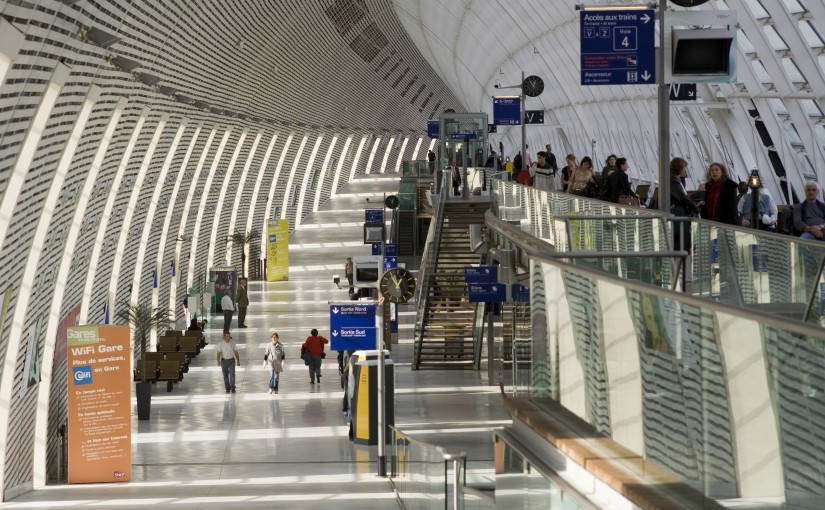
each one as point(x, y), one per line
point(514, 235)
point(429, 260)
point(457, 459)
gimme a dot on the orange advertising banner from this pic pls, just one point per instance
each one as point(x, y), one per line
point(100, 406)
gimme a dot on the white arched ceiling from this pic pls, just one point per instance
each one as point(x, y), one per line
point(476, 44)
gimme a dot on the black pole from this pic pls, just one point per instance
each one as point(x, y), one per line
point(755, 208)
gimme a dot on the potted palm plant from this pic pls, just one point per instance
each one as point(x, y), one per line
point(142, 319)
point(242, 239)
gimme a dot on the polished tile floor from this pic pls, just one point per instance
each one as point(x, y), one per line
point(204, 448)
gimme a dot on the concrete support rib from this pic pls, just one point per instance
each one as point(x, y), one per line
point(106, 215)
point(28, 149)
point(30, 272)
point(306, 180)
point(400, 158)
point(233, 217)
point(291, 177)
point(253, 206)
point(341, 160)
point(319, 188)
point(204, 197)
point(150, 216)
point(188, 206)
point(269, 213)
point(170, 211)
point(356, 159)
point(126, 226)
point(220, 245)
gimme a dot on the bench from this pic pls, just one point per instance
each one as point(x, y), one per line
point(151, 370)
point(198, 335)
point(167, 344)
point(157, 357)
point(189, 345)
point(170, 371)
point(180, 357)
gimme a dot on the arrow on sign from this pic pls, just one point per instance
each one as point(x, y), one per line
point(646, 76)
point(645, 18)
point(335, 310)
point(335, 333)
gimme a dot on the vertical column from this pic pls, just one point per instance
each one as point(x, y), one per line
point(308, 173)
point(227, 176)
point(319, 188)
point(291, 177)
point(238, 196)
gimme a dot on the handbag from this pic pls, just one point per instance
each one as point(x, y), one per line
point(307, 358)
point(629, 200)
point(524, 177)
point(591, 190)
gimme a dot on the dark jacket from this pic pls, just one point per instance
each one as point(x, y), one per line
point(679, 198)
point(618, 184)
point(726, 208)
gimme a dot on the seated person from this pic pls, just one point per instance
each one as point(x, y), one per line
point(768, 212)
point(809, 216)
point(193, 326)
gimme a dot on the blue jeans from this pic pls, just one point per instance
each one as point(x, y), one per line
point(810, 237)
point(273, 379)
point(228, 369)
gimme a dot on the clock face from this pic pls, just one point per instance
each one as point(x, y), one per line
point(688, 3)
point(532, 86)
point(397, 285)
point(391, 202)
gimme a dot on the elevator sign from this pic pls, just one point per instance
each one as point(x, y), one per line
point(618, 47)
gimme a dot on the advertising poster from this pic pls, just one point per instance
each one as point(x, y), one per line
point(100, 408)
point(224, 281)
point(277, 251)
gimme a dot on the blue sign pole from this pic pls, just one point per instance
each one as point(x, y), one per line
point(618, 47)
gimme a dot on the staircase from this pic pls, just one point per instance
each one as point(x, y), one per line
point(445, 337)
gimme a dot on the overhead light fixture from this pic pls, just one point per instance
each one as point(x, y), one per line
point(754, 182)
point(123, 63)
point(166, 90)
point(99, 37)
point(149, 79)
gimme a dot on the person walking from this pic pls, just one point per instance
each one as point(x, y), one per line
point(243, 302)
point(274, 360)
point(228, 359)
point(228, 307)
point(314, 344)
point(348, 273)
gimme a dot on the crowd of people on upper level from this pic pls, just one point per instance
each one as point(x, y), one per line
point(719, 198)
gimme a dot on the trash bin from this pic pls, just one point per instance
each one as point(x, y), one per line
point(364, 404)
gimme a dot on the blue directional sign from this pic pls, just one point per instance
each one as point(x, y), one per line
point(760, 263)
point(520, 293)
point(486, 292)
point(390, 249)
point(389, 263)
point(374, 216)
point(618, 47)
point(481, 274)
point(506, 110)
point(352, 327)
point(432, 128)
point(462, 136)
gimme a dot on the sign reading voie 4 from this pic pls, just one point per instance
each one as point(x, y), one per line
point(618, 47)
point(352, 327)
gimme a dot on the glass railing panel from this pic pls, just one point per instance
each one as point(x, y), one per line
point(728, 399)
point(768, 272)
point(418, 169)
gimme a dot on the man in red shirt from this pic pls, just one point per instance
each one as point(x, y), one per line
point(314, 344)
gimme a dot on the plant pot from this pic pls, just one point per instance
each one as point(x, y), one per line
point(143, 393)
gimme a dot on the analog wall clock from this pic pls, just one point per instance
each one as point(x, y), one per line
point(391, 202)
point(532, 86)
point(397, 285)
point(688, 3)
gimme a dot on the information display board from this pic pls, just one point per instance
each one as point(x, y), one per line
point(100, 411)
point(352, 327)
point(506, 110)
point(618, 47)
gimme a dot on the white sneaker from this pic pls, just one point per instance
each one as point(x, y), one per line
point(271, 391)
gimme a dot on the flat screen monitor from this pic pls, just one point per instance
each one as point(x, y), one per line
point(702, 52)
